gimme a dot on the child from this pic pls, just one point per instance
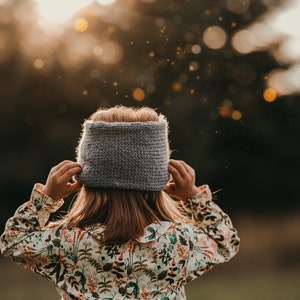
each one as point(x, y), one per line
point(124, 237)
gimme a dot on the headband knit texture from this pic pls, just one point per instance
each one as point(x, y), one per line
point(124, 155)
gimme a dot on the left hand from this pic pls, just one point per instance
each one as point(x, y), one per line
point(58, 183)
point(183, 184)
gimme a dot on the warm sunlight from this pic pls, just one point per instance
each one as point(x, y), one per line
point(57, 11)
point(278, 33)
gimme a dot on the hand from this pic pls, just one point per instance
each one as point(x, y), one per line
point(183, 185)
point(58, 183)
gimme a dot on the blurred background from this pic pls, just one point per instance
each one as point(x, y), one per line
point(225, 73)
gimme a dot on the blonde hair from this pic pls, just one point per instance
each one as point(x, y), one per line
point(123, 213)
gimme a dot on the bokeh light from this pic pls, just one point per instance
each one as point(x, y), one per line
point(270, 95)
point(215, 37)
point(238, 6)
point(195, 60)
point(244, 41)
point(138, 94)
point(106, 2)
point(285, 82)
point(81, 25)
point(38, 63)
point(58, 11)
point(196, 49)
point(276, 32)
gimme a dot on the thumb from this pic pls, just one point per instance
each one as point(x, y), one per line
point(170, 188)
point(74, 187)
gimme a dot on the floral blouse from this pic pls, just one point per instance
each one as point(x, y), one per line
point(155, 266)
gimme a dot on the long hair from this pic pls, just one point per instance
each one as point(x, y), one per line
point(123, 213)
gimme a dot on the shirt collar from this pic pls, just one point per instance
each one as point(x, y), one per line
point(154, 231)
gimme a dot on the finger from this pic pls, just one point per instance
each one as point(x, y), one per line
point(54, 170)
point(67, 171)
point(61, 164)
point(73, 187)
point(169, 188)
point(66, 166)
point(186, 168)
point(180, 167)
point(176, 175)
point(70, 173)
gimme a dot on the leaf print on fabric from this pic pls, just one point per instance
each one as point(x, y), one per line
point(72, 282)
point(153, 233)
point(81, 276)
point(105, 286)
point(118, 269)
point(164, 255)
point(112, 250)
point(59, 269)
point(155, 266)
point(107, 267)
point(151, 274)
point(96, 265)
point(85, 252)
point(173, 239)
point(140, 265)
point(132, 290)
point(162, 275)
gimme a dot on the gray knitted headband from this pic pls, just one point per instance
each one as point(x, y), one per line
point(124, 155)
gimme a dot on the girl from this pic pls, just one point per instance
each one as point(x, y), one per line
point(124, 237)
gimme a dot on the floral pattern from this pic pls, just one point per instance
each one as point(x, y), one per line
point(155, 266)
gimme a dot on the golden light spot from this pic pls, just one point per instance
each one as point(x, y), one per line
point(236, 115)
point(270, 95)
point(98, 50)
point(224, 112)
point(177, 86)
point(138, 94)
point(196, 49)
point(193, 66)
point(243, 41)
point(207, 12)
point(214, 37)
point(152, 54)
point(85, 93)
point(39, 63)
point(192, 91)
point(163, 29)
point(81, 25)
point(115, 83)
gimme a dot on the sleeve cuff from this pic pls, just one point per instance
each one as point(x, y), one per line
point(196, 201)
point(42, 202)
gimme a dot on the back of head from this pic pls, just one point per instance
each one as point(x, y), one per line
point(124, 154)
point(124, 148)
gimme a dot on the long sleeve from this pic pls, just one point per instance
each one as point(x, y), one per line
point(155, 266)
point(26, 237)
point(213, 239)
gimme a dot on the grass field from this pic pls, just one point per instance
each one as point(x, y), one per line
point(267, 267)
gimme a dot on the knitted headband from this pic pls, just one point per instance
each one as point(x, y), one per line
point(124, 155)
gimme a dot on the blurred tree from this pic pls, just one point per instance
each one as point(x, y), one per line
point(173, 55)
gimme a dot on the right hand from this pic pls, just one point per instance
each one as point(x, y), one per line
point(58, 183)
point(183, 185)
